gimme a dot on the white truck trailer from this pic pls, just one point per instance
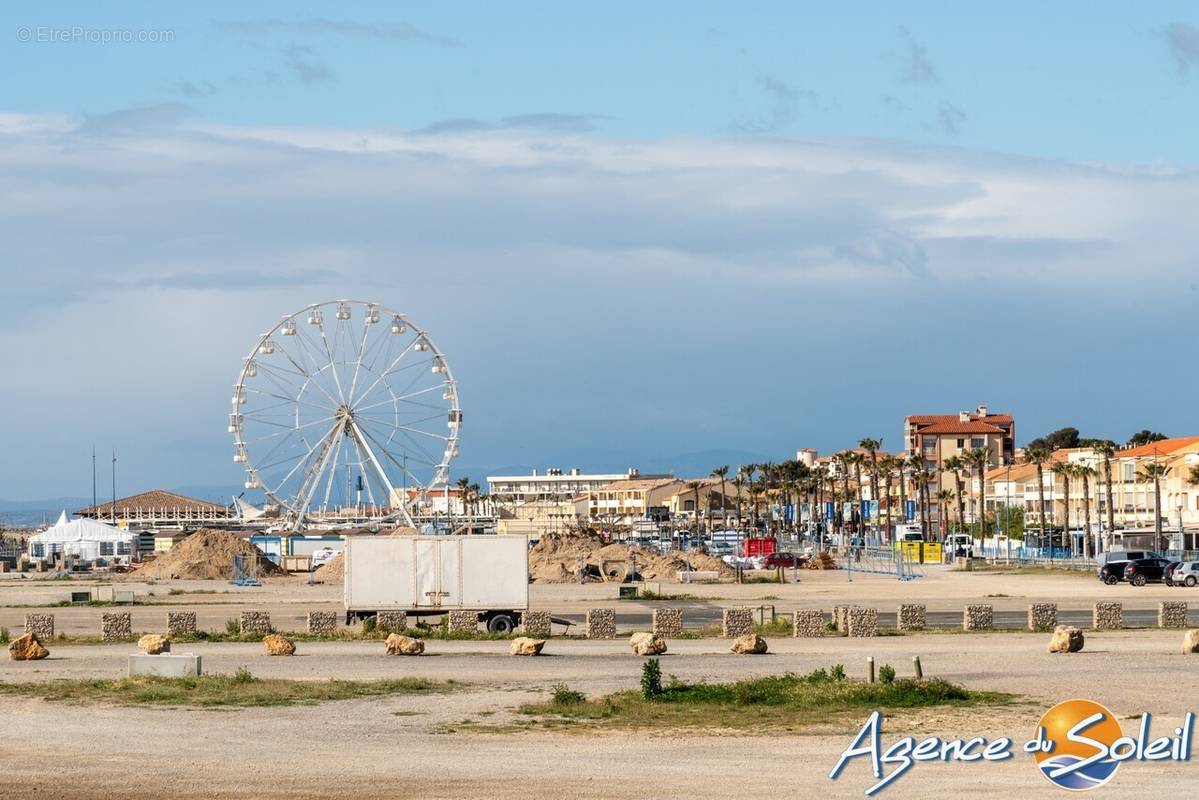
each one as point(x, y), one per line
point(430, 575)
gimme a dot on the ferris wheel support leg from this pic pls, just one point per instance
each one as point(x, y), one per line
point(313, 479)
point(360, 438)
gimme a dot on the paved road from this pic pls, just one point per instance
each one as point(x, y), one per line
point(701, 615)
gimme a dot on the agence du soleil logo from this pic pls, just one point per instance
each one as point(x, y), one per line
point(1078, 745)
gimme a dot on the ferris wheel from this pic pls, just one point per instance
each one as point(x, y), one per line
point(345, 408)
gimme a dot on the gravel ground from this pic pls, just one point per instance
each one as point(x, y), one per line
point(379, 748)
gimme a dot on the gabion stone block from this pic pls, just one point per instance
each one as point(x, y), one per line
point(978, 618)
point(255, 622)
point(601, 623)
point(464, 620)
point(808, 623)
point(668, 622)
point(1172, 614)
point(115, 626)
point(1107, 616)
point(536, 623)
point(911, 617)
point(40, 625)
point(862, 621)
point(1042, 616)
point(180, 623)
point(322, 621)
point(737, 622)
point(391, 621)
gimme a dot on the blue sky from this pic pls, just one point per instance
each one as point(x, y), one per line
point(635, 228)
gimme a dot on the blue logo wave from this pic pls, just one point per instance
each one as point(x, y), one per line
point(1091, 776)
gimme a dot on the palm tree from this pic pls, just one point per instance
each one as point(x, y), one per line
point(1154, 471)
point(722, 472)
point(739, 485)
point(844, 462)
point(943, 497)
point(695, 486)
point(915, 465)
point(980, 459)
point(872, 446)
point(888, 464)
point(955, 464)
point(1040, 456)
point(1106, 449)
point(920, 480)
point(463, 485)
point(1064, 469)
point(1084, 472)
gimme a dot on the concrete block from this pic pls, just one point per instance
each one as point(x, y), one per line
point(601, 623)
point(1172, 614)
point(255, 622)
point(181, 623)
point(391, 621)
point(737, 622)
point(808, 623)
point(1042, 616)
point(116, 626)
point(536, 624)
point(322, 622)
point(911, 617)
point(668, 622)
point(841, 618)
point(1107, 616)
point(978, 618)
point(862, 621)
point(40, 625)
point(172, 665)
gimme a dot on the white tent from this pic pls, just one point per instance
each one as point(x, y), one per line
point(85, 538)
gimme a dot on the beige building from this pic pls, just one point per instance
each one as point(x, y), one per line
point(935, 438)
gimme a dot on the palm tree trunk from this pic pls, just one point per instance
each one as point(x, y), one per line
point(1066, 528)
point(1111, 509)
point(1041, 492)
point(1086, 505)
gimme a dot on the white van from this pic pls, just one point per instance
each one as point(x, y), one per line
point(959, 544)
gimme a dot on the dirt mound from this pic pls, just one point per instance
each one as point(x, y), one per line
point(332, 571)
point(821, 560)
point(559, 558)
point(207, 553)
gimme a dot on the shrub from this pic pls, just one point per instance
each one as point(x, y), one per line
point(565, 696)
point(233, 627)
point(837, 672)
point(369, 625)
point(886, 674)
point(243, 675)
point(651, 679)
point(4, 635)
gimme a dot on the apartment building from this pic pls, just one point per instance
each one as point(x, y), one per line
point(935, 438)
point(554, 485)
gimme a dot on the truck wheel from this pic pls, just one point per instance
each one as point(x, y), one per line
point(501, 623)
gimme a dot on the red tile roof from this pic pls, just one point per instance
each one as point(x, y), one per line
point(924, 419)
point(952, 425)
point(1164, 447)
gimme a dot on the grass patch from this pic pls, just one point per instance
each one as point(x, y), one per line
point(789, 701)
point(241, 690)
point(650, 594)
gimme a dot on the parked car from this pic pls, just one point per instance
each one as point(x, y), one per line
point(776, 560)
point(1146, 570)
point(1117, 560)
point(1168, 576)
point(1185, 573)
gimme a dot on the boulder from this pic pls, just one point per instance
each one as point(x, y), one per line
point(526, 646)
point(400, 645)
point(152, 644)
point(647, 644)
point(1066, 639)
point(750, 644)
point(1190, 641)
point(277, 645)
point(27, 648)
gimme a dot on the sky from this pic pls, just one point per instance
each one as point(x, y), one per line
point(634, 229)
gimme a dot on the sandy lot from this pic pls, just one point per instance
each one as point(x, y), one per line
point(404, 746)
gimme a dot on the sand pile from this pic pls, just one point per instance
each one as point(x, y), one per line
point(207, 554)
point(332, 571)
point(556, 558)
point(821, 560)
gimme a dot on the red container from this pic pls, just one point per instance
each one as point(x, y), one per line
point(760, 546)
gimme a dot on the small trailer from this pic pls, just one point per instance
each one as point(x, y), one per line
point(427, 576)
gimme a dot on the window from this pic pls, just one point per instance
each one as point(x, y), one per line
point(39, 550)
point(106, 548)
point(122, 548)
point(976, 441)
point(961, 443)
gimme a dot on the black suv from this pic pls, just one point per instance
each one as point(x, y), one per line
point(1146, 570)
